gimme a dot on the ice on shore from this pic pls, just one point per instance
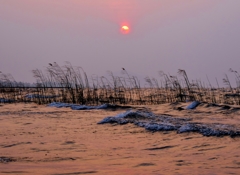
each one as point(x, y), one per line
point(4, 100)
point(126, 117)
point(85, 107)
point(193, 105)
point(152, 122)
point(31, 96)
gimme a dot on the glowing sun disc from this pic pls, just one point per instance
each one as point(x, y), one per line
point(126, 28)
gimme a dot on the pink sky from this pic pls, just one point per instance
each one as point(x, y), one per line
point(165, 35)
point(57, 13)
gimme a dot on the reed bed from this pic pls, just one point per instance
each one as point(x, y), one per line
point(70, 84)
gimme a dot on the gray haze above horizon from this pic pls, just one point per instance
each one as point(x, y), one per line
point(201, 37)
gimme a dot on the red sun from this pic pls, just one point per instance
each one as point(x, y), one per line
point(125, 29)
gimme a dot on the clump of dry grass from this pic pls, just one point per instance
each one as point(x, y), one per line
point(70, 84)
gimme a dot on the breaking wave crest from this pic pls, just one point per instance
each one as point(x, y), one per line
point(152, 122)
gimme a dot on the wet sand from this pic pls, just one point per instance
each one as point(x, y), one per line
point(61, 141)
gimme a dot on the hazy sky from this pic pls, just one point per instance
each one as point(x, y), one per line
point(200, 36)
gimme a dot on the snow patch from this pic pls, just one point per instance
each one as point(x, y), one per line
point(152, 122)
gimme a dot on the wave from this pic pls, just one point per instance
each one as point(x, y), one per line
point(152, 122)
